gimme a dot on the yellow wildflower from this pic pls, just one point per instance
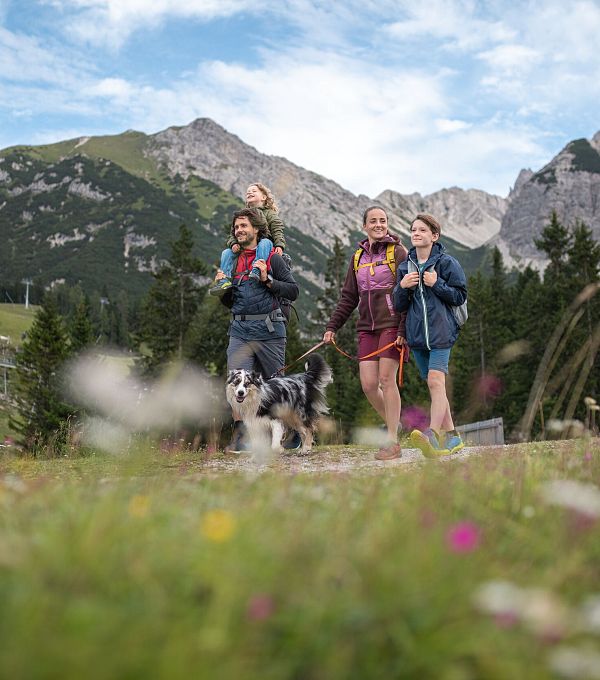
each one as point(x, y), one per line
point(139, 506)
point(218, 525)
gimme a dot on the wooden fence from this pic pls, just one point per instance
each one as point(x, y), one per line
point(484, 433)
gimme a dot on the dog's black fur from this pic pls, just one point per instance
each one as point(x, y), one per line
point(295, 401)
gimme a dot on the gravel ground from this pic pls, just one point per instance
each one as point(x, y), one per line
point(335, 459)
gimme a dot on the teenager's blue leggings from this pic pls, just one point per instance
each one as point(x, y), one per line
point(263, 250)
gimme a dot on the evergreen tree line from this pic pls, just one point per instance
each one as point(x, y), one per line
point(527, 353)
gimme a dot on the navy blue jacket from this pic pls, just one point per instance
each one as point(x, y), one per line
point(249, 296)
point(430, 323)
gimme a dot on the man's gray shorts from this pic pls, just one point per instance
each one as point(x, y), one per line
point(263, 356)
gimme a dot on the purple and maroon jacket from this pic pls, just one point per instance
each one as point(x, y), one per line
point(370, 289)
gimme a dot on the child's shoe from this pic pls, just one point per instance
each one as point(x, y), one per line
point(254, 274)
point(453, 443)
point(220, 287)
point(428, 443)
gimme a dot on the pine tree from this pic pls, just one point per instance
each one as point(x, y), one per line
point(81, 332)
point(172, 302)
point(206, 340)
point(41, 411)
point(583, 272)
point(555, 242)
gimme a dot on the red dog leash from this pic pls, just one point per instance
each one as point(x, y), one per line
point(401, 353)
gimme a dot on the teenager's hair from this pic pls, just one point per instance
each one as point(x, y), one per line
point(430, 221)
point(257, 220)
point(269, 200)
point(368, 210)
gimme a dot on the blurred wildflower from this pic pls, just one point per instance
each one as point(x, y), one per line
point(528, 512)
point(540, 610)
point(580, 497)
point(218, 525)
point(587, 455)
point(513, 351)
point(463, 537)
point(369, 436)
point(488, 386)
point(414, 417)
point(139, 506)
point(576, 662)
point(501, 599)
point(260, 607)
point(590, 614)
point(566, 428)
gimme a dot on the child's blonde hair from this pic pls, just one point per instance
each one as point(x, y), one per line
point(269, 200)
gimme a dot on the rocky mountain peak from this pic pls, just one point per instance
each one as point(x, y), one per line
point(569, 185)
point(315, 205)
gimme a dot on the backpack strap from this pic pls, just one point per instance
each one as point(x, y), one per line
point(357, 255)
point(390, 259)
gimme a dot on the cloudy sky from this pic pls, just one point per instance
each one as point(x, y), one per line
point(384, 94)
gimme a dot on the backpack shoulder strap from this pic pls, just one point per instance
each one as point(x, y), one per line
point(390, 257)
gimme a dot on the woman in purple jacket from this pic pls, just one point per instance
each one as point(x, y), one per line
point(369, 283)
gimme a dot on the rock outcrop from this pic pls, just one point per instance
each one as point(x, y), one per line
point(569, 185)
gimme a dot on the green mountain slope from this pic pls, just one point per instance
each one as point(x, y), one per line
point(100, 211)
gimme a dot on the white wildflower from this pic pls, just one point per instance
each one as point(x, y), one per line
point(576, 662)
point(578, 496)
point(590, 614)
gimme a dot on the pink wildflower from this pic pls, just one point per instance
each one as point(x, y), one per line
point(260, 607)
point(414, 417)
point(463, 537)
point(489, 386)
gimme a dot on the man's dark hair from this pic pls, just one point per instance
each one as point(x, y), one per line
point(257, 220)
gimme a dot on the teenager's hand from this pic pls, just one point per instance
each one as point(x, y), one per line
point(429, 278)
point(400, 341)
point(410, 280)
point(262, 266)
point(236, 248)
point(279, 250)
point(328, 336)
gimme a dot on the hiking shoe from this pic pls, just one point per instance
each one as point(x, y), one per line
point(428, 443)
point(220, 287)
point(453, 443)
point(238, 442)
point(389, 452)
point(292, 442)
point(254, 274)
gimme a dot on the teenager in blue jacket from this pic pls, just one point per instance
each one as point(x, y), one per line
point(430, 283)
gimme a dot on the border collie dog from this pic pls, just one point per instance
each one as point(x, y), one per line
point(269, 406)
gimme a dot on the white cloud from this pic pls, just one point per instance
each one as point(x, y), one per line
point(445, 125)
point(374, 94)
point(24, 58)
point(455, 21)
point(111, 22)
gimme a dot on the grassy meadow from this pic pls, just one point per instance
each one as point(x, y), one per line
point(173, 564)
point(15, 320)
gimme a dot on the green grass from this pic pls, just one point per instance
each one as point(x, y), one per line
point(158, 565)
point(15, 320)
